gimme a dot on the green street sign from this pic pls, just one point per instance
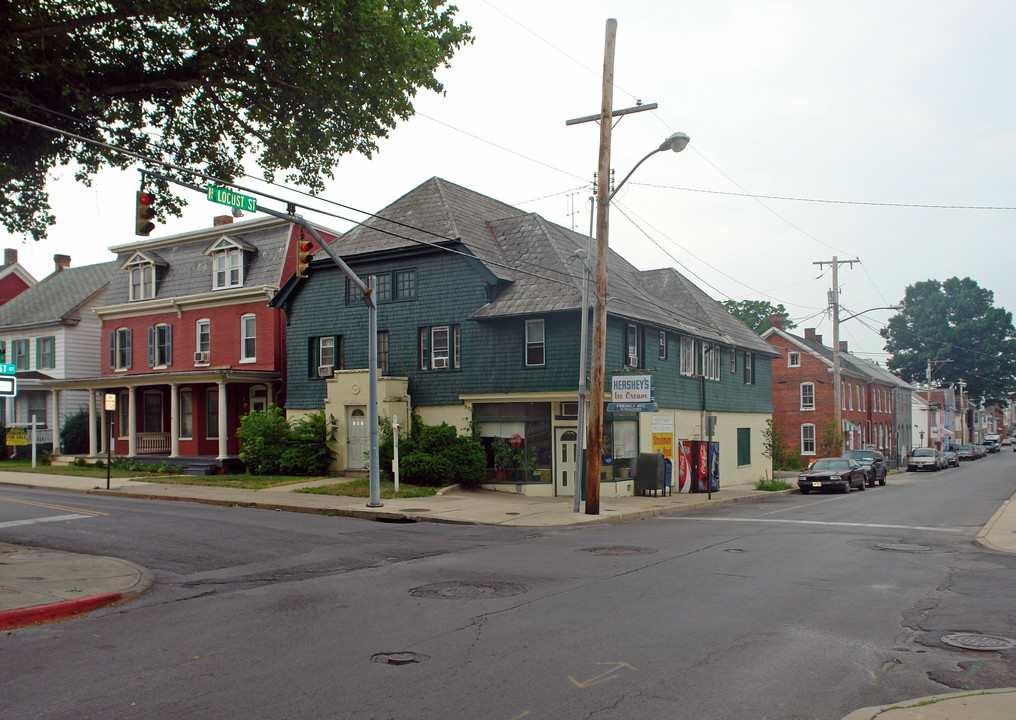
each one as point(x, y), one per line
point(225, 196)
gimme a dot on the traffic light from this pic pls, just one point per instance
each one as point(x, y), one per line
point(143, 224)
point(303, 257)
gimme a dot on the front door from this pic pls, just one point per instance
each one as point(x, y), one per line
point(564, 462)
point(153, 411)
point(358, 439)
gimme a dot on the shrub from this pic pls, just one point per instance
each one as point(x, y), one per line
point(271, 445)
point(74, 433)
point(434, 455)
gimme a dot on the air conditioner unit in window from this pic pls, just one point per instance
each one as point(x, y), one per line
point(633, 361)
point(325, 370)
point(201, 357)
point(440, 362)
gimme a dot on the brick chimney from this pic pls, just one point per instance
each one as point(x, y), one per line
point(843, 345)
point(61, 262)
point(809, 334)
point(776, 321)
point(10, 256)
point(223, 220)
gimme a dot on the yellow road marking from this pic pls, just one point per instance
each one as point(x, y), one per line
point(94, 513)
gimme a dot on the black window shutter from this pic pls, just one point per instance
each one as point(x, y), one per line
point(151, 347)
point(112, 349)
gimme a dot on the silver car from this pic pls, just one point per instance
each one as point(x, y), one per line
point(925, 459)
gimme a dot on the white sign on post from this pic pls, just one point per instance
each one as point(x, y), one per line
point(110, 399)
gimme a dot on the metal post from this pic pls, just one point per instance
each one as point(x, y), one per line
point(583, 341)
point(375, 471)
point(33, 441)
point(395, 456)
point(109, 449)
point(595, 432)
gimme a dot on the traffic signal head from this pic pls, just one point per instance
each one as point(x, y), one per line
point(143, 224)
point(303, 257)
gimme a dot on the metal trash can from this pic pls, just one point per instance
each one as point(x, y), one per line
point(650, 473)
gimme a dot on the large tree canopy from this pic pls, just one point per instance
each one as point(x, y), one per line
point(205, 83)
point(755, 313)
point(956, 321)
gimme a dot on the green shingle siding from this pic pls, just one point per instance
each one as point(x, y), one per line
point(449, 290)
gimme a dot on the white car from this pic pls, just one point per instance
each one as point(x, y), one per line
point(925, 459)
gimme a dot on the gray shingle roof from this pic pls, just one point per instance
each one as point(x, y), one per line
point(531, 256)
point(862, 366)
point(57, 297)
point(188, 269)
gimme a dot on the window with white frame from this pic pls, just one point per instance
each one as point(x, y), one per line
point(120, 355)
point(808, 439)
point(807, 396)
point(687, 355)
point(382, 351)
point(632, 344)
point(850, 397)
point(536, 350)
point(749, 368)
point(663, 344)
point(160, 346)
point(326, 350)
point(793, 359)
point(440, 346)
point(45, 353)
point(248, 338)
point(186, 414)
point(228, 268)
point(142, 285)
point(21, 354)
point(203, 340)
point(259, 398)
point(123, 407)
point(212, 414)
point(733, 360)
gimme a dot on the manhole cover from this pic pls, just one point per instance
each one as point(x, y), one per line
point(975, 641)
point(470, 590)
point(903, 547)
point(397, 658)
point(621, 550)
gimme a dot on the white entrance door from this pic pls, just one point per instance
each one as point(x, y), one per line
point(564, 462)
point(358, 439)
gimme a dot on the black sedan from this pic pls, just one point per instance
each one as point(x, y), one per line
point(832, 473)
point(873, 462)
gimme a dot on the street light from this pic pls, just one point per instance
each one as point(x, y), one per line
point(837, 392)
point(676, 142)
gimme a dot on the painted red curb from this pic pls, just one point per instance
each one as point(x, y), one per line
point(55, 611)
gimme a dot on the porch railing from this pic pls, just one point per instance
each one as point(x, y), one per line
point(150, 443)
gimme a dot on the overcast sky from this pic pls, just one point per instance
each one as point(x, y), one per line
point(851, 118)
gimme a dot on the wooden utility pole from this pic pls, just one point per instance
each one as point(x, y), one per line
point(834, 302)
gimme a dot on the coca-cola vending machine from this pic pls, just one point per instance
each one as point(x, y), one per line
point(699, 466)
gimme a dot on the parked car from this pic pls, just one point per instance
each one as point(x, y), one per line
point(979, 451)
point(925, 459)
point(991, 446)
point(1006, 441)
point(965, 452)
point(873, 462)
point(832, 473)
point(951, 459)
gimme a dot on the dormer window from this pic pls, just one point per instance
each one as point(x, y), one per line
point(141, 267)
point(227, 262)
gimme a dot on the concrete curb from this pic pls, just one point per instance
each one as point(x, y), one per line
point(55, 611)
point(944, 707)
point(982, 536)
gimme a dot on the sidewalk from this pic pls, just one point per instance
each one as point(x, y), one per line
point(38, 585)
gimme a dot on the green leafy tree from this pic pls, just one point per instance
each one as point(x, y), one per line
point(206, 85)
point(830, 444)
point(74, 433)
point(755, 313)
point(954, 320)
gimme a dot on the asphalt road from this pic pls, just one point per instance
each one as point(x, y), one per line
point(796, 607)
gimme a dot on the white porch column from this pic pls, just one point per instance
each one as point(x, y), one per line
point(104, 431)
point(222, 420)
point(56, 421)
point(93, 445)
point(132, 423)
point(174, 421)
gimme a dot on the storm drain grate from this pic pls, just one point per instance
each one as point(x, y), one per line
point(976, 641)
point(620, 550)
point(397, 658)
point(903, 547)
point(470, 590)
